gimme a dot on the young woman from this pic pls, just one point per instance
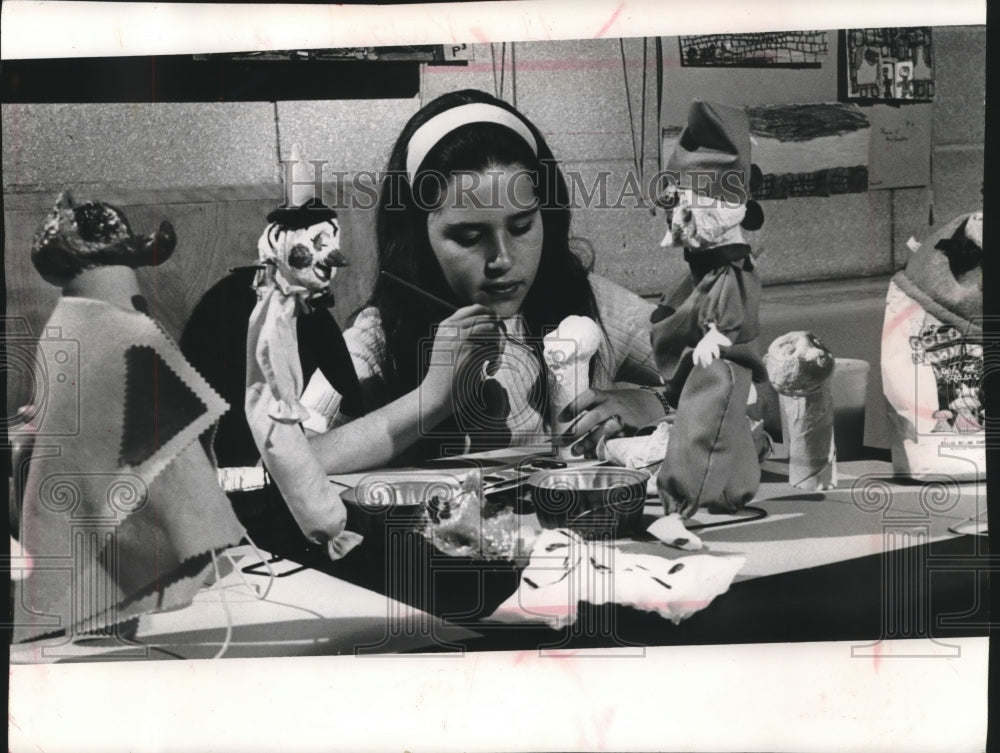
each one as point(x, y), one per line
point(475, 211)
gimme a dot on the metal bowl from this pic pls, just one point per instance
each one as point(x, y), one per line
point(599, 500)
point(398, 499)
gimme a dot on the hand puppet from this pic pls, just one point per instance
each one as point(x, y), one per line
point(932, 356)
point(121, 509)
point(568, 351)
point(299, 254)
point(706, 348)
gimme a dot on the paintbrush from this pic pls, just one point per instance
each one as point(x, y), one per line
point(451, 308)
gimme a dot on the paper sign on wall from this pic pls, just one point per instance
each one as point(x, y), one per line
point(900, 147)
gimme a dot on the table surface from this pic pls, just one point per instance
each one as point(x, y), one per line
point(805, 529)
point(815, 570)
point(860, 517)
point(301, 612)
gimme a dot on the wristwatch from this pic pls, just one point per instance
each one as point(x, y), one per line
point(667, 407)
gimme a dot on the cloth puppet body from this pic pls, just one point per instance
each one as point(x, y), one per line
point(215, 342)
point(121, 511)
point(707, 348)
point(933, 356)
point(299, 252)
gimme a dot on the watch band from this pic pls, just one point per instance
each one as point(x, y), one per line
point(667, 407)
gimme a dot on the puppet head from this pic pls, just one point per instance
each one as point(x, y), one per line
point(709, 180)
point(303, 257)
point(301, 244)
point(964, 249)
point(78, 237)
point(798, 363)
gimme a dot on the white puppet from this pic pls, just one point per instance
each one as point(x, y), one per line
point(299, 253)
point(121, 508)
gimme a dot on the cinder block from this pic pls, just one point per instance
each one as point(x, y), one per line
point(351, 135)
point(822, 238)
point(959, 84)
point(48, 146)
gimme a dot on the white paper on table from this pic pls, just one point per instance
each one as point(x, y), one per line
point(565, 569)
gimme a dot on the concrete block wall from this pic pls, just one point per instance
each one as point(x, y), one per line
point(212, 168)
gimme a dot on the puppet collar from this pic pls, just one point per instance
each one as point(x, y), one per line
point(704, 260)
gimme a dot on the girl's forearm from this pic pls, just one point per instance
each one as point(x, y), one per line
point(377, 438)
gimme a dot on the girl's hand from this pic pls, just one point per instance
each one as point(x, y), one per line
point(468, 339)
point(607, 413)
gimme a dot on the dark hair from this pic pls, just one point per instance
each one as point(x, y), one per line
point(560, 287)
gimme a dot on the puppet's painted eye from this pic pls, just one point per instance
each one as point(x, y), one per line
point(321, 242)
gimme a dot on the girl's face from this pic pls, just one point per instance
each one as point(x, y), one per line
point(487, 237)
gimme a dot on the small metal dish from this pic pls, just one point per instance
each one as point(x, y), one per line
point(599, 500)
point(400, 499)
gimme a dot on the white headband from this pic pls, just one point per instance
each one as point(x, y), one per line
point(435, 129)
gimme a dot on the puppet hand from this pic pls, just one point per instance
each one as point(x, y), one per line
point(707, 349)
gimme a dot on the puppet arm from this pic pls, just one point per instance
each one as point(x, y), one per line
point(725, 304)
point(720, 317)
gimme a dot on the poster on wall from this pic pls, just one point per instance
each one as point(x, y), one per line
point(787, 49)
point(807, 149)
point(890, 64)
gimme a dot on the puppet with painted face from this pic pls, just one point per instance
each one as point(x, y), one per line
point(299, 253)
point(706, 349)
point(118, 497)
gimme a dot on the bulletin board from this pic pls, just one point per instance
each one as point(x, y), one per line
point(810, 138)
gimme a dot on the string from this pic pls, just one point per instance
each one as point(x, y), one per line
point(659, 103)
point(225, 606)
point(267, 564)
point(296, 607)
point(503, 66)
point(642, 117)
point(493, 54)
point(423, 83)
point(930, 190)
point(631, 116)
point(513, 75)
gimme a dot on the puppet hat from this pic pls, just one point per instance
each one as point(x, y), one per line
point(302, 207)
point(713, 153)
point(78, 237)
point(712, 157)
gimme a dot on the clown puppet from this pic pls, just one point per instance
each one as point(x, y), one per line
point(706, 349)
point(299, 254)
